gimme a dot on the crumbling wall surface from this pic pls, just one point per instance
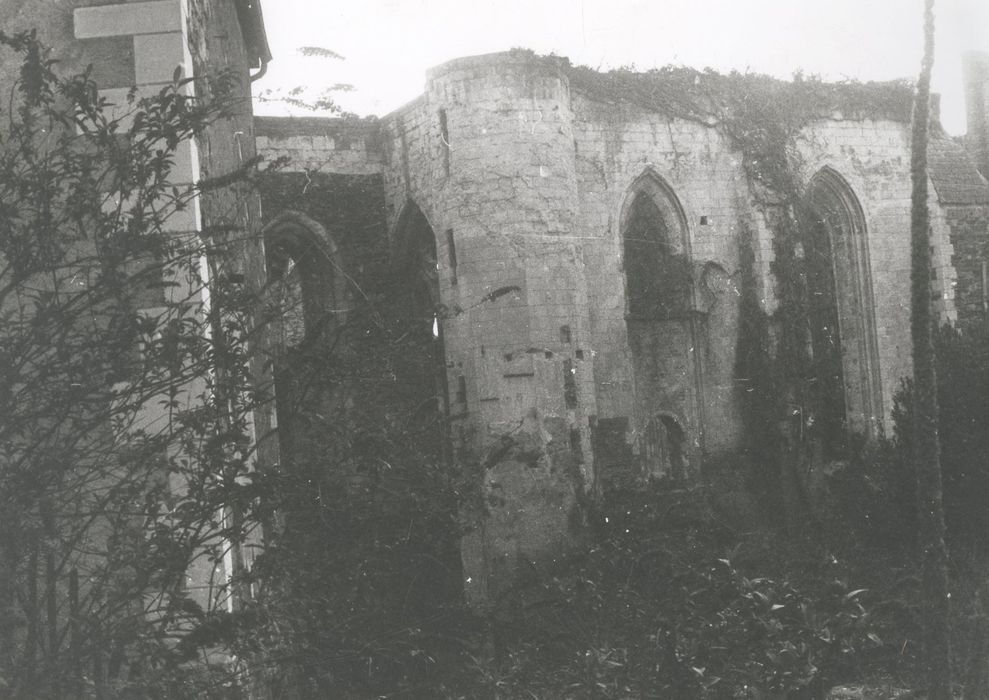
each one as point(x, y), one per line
point(215, 46)
point(317, 144)
point(962, 219)
point(217, 49)
point(487, 154)
point(525, 187)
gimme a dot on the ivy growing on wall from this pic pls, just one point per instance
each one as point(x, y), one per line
point(762, 118)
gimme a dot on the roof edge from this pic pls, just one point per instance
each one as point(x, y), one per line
point(251, 21)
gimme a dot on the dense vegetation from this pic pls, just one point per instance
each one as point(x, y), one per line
point(685, 593)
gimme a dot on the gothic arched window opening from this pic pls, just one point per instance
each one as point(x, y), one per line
point(661, 324)
point(657, 275)
point(424, 369)
point(840, 393)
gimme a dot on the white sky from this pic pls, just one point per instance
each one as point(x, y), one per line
point(388, 44)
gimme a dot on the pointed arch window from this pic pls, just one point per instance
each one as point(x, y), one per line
point(419, 292)
point(657, 269)
point(842, 391)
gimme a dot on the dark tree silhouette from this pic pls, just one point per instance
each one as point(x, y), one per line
point(927, 448)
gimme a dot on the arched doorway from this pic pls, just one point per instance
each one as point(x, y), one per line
point(661, 326)
point(657, 273)
point(841, 393)
point(665, 447)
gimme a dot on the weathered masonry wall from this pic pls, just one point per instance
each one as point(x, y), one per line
point(221, 45)
point(487, 155)
point(964, 217)
point(873, 157)
point(970, 232)
point(314, 144)
point(523, 173)
point(615, 146)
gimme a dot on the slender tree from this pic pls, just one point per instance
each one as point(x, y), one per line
point(927, 449)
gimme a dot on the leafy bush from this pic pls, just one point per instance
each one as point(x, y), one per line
point(659, 609)
point(125, 410)
point(360, 589)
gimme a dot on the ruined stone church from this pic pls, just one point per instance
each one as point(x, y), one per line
point(622, 238)
point(580, 259)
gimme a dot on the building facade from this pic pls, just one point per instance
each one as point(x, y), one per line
point(135, 49)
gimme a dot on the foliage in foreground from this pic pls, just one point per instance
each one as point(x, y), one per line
point(671, 605)
point(124, 410)
point(668, 604)
point(963, 426)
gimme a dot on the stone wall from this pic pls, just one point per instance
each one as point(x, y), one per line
point(873, 157)
point(338, 146)
point(970, 232)
point(487, 155)
point(526, 185)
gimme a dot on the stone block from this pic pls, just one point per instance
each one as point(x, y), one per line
point(186, 167)
point(156, 56)
point(123, 109)
point(119, 106)
point(128, 18)
point(112, 59)
point(185, 220)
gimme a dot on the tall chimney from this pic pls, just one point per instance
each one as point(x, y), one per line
point(975, 70)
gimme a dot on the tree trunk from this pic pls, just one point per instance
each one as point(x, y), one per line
point(925, 410)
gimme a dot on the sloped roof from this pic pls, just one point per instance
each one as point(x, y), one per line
point(252, 25)
point(955, 177)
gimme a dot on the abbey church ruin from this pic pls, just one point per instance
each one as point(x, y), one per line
point(590, 252)
point(613, 274)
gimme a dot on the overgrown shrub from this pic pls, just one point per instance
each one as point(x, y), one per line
point(360, 589)
point(660, 608)
point(963, 397)
point(125, 406)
